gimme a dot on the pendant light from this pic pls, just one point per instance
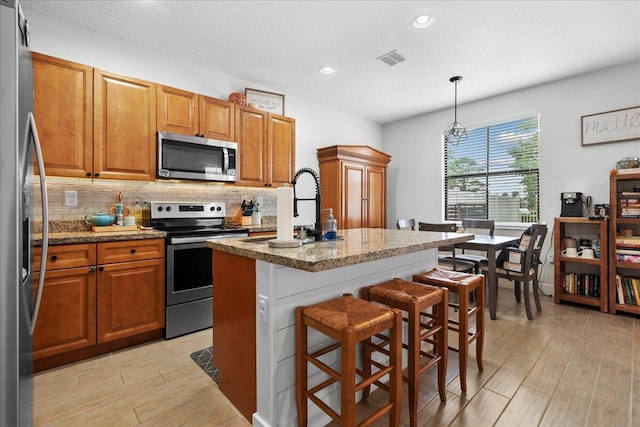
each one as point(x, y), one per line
point(456, 132)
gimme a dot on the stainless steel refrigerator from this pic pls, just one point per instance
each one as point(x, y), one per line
point(19, 296)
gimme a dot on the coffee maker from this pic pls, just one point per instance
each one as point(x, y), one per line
point(572, 204)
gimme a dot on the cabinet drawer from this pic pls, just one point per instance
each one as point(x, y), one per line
point(66, 256)
point(130, 250)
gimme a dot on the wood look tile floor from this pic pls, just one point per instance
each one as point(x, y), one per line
point(571, 366)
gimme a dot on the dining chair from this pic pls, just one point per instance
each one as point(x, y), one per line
point(521, 265)
point(406, 224)
point(447, 254)
point(476, 226)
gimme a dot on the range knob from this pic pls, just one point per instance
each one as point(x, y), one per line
point(219, 208)
point(159, 208)
point(168, 208)
point(213, 208)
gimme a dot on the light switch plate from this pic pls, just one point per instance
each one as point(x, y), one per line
point(71, 198)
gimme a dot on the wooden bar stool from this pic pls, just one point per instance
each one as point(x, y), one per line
point(348, 320)
point(415, 299)
point(464, 285)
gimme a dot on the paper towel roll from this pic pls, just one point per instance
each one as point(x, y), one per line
point(285, 213)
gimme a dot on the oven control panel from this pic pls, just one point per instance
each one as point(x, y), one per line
point(188, 210)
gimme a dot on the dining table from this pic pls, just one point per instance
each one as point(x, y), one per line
point(491, 245)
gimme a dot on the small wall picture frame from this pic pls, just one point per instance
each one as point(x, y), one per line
point(266, 101)
point(611, 126)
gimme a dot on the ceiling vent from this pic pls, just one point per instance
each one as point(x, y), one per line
point(391, 58)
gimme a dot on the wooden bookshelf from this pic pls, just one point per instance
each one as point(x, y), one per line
point(624, 199)
point(583, 270)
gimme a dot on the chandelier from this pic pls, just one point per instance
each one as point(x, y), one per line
point(456, 132)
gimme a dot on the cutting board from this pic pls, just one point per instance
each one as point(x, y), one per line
point(126, 211)
point(102, 229)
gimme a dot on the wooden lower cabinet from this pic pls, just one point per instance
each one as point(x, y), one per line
point(130, 298)
point(67, 317)
point(91, 307)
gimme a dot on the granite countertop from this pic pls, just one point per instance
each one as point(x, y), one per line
point(69, 237)
point(357, 246)
point(77, 231)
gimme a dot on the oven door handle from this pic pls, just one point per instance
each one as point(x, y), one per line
point(201, 239)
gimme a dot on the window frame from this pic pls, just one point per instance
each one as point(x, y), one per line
point(486, 174)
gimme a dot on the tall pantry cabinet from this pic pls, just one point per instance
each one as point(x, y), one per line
point(353, 182)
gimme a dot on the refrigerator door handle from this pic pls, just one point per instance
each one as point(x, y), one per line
point(45, 223)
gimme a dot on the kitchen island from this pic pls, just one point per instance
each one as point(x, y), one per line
point(256, 289)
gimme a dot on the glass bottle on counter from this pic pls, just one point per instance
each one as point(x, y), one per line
point(137, 212)
point(146, 214)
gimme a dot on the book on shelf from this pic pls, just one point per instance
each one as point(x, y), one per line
point(627, 258)
point(632, 240)
point(619, 290)
point(581, 284)
point(626, 251)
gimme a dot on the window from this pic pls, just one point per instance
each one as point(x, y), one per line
point(494, 174)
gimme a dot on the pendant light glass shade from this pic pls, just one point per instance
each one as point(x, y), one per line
point(455, 133)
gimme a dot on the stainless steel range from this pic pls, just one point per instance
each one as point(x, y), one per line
point(189, 275)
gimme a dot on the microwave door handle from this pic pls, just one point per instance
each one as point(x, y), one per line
point(45, 222)
point(225, 167)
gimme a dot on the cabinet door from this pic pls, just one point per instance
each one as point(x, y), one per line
point(353, 187)
point(376, 198)
point(124, 137)
point(67, 317)
point(282, 149)
point(130, 299)
point(177, 111)
point(251, 135)
point(63, 110)
point(217, 118)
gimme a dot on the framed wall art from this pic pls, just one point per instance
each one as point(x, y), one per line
point(265, 101)
point(611, 126)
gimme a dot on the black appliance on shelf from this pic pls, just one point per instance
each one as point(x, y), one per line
point(189, 270)
point(572, 204)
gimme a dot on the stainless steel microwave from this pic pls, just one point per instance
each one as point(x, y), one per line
point(194, 157)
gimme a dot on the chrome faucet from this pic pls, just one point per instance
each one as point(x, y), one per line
point(317, 232)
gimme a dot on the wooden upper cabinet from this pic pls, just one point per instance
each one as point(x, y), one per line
point(354, 183)
point(282, 146)
point(63, 111)
point(217, 118)
point(251, 136)
point(187, 113)
point(177, 111)
point(124, 140)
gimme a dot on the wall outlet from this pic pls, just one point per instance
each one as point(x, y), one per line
point(71, 198)
point(550, 258)
point(263, 311)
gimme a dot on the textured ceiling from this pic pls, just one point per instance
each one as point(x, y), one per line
point(497, 46)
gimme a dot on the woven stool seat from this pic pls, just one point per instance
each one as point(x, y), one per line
point(348, 320)
point(405, 292)
point(347, 313)
point(420, 302)
point(464, 285)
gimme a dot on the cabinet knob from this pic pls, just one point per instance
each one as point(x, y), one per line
point(88, 173)
point(92, 269)
point(133, 251)
point(101, 268)
point(96, 175)
point(54, 257)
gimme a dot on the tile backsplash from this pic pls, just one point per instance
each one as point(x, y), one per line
point(95, 195)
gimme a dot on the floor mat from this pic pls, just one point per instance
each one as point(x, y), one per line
point(203, 359)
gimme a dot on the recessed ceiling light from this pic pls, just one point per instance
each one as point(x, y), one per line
point(423, 21)
point(327, 70)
